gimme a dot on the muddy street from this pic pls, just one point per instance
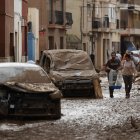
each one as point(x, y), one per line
point(84, 119)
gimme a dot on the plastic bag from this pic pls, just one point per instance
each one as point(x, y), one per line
point(112, 77)
point(115, 79)
point(119, 81)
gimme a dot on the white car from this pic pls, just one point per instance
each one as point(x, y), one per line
point(27, 91)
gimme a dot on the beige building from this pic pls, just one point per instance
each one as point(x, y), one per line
point(100, 29)
point(53, 23)
point(130, 24)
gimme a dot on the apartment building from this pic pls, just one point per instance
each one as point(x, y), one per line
point(6, 30)
point(130, 24)
point(100, 29)
point(13, 28)
point(53, 23)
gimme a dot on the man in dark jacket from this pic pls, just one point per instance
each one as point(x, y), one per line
point(112, 64)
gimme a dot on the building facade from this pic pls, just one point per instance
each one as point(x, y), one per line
point(7, 30)
point(53, 23)
point(130, 24)
point(100, 29)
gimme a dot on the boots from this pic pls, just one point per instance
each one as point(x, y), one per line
point(127, 95)
point(111, 93)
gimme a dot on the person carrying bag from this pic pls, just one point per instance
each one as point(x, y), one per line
point(111, 68)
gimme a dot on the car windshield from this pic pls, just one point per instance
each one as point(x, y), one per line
point(72, 61)
point(23, 75)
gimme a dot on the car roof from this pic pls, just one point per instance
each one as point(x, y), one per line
point(17, 64)
point(63, 50)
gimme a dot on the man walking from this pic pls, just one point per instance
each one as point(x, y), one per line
point(112, 64)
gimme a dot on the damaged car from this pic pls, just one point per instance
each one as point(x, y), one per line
point(72, 71)
point(27, 91)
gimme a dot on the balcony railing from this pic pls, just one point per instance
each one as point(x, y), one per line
point(61, 19)
point(96, 23)
point(100, 23)
point(104, 23)
point(69, 20)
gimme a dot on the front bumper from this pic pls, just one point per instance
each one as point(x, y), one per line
point(78, 87)
point(30, 105)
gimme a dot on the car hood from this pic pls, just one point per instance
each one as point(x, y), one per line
point(62, 75)
point(31, 87)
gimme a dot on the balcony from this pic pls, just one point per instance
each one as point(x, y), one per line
point(104, 25)
point(96, 24)
point(105, 22)
point(133, 28)
point(100, 22)
point(61, 21)
point(69, 20)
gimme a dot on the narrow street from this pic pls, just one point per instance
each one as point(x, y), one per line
point(84, 119)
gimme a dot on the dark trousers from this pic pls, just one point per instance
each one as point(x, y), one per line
point(128, 82)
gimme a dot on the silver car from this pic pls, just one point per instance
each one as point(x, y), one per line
point(27, 91)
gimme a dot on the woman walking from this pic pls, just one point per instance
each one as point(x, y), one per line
point(128, 71)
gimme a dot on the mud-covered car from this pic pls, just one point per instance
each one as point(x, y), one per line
point(72, 71)
point(27, 91)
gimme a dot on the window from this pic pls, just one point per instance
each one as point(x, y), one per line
point(50, 11)
point(112, 13)
point(51, 42)
point(89, 10)
point(61, 42)
point(11, 44)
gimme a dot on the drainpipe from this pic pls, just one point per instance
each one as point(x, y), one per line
point(92, 38)
point(81, 22)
